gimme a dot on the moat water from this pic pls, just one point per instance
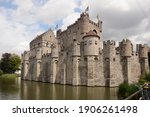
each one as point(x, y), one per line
point(11, 89)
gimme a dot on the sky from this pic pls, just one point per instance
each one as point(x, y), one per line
point(22, 20)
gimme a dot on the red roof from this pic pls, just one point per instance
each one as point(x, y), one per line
point(91, 33)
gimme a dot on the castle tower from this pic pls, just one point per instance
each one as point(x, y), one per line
point(76, 59)
point(91, 50)
point(126, 48)
point(84, 23)
point(54, 62)
point(143, 55)
point(25, 65)
point(110, 63)
point(38, 64)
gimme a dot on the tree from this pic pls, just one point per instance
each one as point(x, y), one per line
point(10, 63)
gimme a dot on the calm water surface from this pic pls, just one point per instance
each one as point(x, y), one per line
point(28, 90)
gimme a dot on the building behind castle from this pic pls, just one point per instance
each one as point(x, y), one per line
point(76, 56)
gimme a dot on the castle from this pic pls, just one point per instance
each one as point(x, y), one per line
point(76, 56)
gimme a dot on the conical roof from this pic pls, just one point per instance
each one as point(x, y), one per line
point(91, 33)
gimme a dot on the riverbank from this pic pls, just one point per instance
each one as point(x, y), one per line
point(8, 76)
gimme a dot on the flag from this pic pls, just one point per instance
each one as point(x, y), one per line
point(98, 16)
point(87, 9)
point(56, 27)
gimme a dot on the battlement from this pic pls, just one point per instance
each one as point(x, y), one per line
point(84, 15)
point(109, 42)
point(143, 45)
point(93, 23)
point(126, 48)
point(32, 57)
point(143, 50)
point(46, 55)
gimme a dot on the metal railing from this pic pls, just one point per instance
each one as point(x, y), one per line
point(134, 96)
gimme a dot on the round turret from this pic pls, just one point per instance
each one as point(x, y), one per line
point(143, 51)
point(126, 48)
point(91, 43)
point(76, 48)
point(54, 51)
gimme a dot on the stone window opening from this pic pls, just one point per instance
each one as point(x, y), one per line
point(90, 42)
point(85, 59)
point(95, 31)
point(114, 59)
point(107, 59)
point(47, 44)
point(74, 40)
point(56, 61)
point(95, 42)
point(96, 58)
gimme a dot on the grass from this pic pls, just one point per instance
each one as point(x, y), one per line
point(8, 76)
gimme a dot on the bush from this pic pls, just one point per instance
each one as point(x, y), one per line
point(1, 72)
point(144, 78)
point(126, 90)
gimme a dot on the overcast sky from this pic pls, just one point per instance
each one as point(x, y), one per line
point(22, 20)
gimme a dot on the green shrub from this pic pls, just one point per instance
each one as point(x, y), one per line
point(142, 81)
point(126, 90)
point(1, 72)
point(144, 78)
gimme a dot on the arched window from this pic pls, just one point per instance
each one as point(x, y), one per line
point(95, 31)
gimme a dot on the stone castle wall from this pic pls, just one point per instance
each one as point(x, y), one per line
point(76, 57)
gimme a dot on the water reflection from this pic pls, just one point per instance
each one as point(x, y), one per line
point(18, 89)
point(9, 88)
point(44, 91)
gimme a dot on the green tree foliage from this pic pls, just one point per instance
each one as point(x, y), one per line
point(10, 63)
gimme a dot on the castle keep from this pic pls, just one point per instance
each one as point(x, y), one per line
point(76, 56)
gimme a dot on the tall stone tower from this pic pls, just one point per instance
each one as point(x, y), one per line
point(110, 63)
point(76, 59)
point(143, 54)
point(25, 65)
point(126, 49)
point(91, 52)
point(54, 63)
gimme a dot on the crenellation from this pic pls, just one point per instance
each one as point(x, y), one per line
point(126, 48)
point(76, 57)
point(143, 50)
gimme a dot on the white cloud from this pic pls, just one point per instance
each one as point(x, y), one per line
point(69, 20)
point(121, 19)
point(20, 25)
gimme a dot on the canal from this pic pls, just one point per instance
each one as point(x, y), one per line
point(29, 90)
